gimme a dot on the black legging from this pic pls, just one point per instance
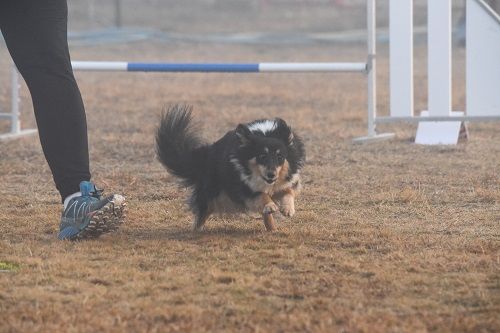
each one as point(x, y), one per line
point(35, 32)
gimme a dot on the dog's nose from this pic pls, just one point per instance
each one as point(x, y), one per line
point(271, 175)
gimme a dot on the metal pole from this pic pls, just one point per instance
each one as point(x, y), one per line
point(16, 122)
point(371, 68)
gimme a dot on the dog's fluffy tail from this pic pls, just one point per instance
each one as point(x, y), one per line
point(177, 146)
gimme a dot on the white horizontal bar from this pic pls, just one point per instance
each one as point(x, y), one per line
point(374, 138)
point(99, 65)
point(312, 67)
point(15, 135)
point(6, 115)
point(436, 118)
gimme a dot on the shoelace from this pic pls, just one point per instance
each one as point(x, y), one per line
point(97, 193)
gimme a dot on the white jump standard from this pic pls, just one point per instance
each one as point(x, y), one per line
point(14, 116)
point(366, 68)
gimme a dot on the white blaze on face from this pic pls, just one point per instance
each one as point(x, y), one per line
point(263, 126)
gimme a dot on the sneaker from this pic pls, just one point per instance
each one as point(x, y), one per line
point(89, 216)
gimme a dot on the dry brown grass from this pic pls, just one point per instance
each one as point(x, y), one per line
point(388, 237)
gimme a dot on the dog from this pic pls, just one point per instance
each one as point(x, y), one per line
point(253, 167)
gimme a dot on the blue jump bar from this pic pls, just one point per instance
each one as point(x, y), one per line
point(159, 67)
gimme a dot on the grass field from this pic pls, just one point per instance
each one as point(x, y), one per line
point(388, 237)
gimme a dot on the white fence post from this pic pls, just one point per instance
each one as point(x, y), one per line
point(439, 57)
point(15, 127)
point(401, 57)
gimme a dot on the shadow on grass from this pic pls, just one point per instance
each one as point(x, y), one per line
point(186, 234)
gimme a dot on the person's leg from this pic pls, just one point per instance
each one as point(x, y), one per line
point(36, 35)
point(35, 32)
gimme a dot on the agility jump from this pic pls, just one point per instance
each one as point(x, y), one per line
point(483, 70)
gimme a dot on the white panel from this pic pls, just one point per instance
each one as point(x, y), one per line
point(483, 60)
point(438, 132)
point(401, 57)
point(439, 57)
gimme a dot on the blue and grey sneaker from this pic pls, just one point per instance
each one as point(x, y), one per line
point(89, 216)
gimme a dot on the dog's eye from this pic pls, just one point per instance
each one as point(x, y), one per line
point(281, 159)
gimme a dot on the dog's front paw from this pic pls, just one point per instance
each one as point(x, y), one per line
point(270, 208)
point(288, 210)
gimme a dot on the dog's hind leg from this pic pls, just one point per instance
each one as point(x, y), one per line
point(200, 219)
point(201, 209)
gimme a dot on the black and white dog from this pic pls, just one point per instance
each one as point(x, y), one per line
point(254, 167)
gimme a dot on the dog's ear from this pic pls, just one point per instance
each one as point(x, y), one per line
point(284, 131)
point(243, 134)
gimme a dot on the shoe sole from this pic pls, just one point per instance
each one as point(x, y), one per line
point(105, 220)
